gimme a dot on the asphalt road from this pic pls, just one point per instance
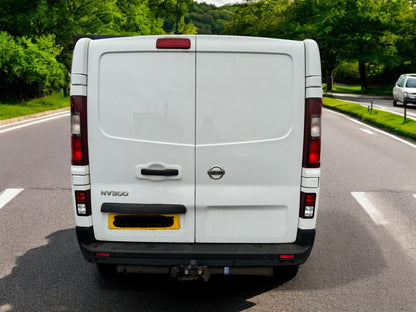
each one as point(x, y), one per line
point(363, 260)
point(379, 102)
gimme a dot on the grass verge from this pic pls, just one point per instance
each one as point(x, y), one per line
point(381, 119)
point(51, 102)
point(356, 89)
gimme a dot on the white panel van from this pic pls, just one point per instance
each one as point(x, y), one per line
point(196, 155)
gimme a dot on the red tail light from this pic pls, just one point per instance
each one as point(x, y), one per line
point(173, 43)
point(102, 254)
point(312, 133)
point(83, 202)
point(79, 140)
point(307, 205)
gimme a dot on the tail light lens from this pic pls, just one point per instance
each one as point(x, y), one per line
point(79, 139)
point(312, 133)
point(173, 43)
point(83, 202)
point(307, 202)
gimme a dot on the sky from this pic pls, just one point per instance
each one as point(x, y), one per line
point(219, 2)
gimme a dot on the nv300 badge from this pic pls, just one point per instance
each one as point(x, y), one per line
point(114, 193)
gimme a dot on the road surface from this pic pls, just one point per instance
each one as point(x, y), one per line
point(364, 256)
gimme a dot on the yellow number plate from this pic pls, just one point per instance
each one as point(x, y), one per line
point(143, 222)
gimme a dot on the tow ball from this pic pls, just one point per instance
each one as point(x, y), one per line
point(190, 272)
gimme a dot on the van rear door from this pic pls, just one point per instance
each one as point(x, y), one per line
point(249, 124)
point(141, 129)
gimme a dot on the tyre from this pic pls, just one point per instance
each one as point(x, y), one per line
point(394, 102)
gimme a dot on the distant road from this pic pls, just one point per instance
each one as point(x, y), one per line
point(380, 102)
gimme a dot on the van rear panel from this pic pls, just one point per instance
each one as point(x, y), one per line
point(198, 142)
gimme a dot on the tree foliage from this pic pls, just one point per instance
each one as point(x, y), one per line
point(173, 12)
point(51, 24)
point(207, 18)
point(28, 67)
point(36, 35)
point(370, 32)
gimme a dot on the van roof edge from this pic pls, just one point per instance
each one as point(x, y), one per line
point(95, 37)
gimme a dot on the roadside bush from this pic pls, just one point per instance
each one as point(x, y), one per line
point(347, 72)
point(28, 67)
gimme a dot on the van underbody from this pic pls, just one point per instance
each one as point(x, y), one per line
point(195, 261)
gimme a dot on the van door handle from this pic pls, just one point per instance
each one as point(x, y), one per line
point(160, 172)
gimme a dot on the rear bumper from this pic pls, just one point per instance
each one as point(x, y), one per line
point(170, 254)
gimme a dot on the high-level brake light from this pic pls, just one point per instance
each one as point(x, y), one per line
point(173, 43)
point(312, 133)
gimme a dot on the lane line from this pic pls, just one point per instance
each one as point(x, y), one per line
point(37, 121)
point(8, 195)
point(366, 131)
point(5, 125)
point(414, 195)
point(368, 206)
point(374, 129)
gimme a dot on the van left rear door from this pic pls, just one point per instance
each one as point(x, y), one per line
point(141, 129)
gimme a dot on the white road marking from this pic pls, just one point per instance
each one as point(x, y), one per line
point(35, 121)
point(366, 131)
point(368, 206)
point(374, 129)
point(8, 195)
point(414, 195)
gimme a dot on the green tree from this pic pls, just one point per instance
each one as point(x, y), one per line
point(173, 12)
point(138, 19)
point(207, 18)
point(264, 18)
point(371, 32)
point(28, 67)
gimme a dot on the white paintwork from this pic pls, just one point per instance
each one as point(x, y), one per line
point(310, 182)
point(78, 79)
point(313, 81)
point(313, 92)
point(140, 111)
point(80, 179)
point(234, 102)
point(80, 170)
point(249, 122)
point(313, 64)
point(80, 57)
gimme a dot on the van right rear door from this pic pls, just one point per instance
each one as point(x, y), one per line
point(250, 97)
